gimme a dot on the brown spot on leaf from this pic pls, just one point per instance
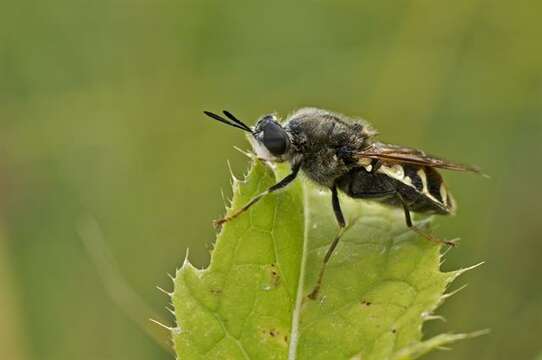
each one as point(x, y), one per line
point(274, 275)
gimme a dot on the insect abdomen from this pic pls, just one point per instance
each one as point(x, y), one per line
point(418, 186)
point(359, 183)
point(421, 186)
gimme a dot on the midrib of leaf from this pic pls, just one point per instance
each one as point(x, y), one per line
point(296, 314)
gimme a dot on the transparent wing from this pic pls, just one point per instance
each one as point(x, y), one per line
point(401, 154)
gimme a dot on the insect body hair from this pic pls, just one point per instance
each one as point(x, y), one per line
point(365, 127)
point(319, 137)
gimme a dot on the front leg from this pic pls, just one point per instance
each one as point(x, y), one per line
point(342, 226)
point(280, 185)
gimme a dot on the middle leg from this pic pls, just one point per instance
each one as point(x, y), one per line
point(342, 226)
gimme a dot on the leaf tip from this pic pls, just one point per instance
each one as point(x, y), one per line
point(455, 274)
point(431, 316)
point(186, 261)
point(452, 293)
point(437, 342)
point(168, 328)
point(233, 178)
point(170, 294)
point(244, 152)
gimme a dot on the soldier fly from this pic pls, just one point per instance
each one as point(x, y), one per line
point(341, 154)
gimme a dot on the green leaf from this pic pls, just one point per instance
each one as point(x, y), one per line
point(381, 284)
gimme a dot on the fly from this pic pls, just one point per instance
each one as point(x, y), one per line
point(341, 154)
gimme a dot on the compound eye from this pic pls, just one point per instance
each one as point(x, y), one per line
point(275, 138)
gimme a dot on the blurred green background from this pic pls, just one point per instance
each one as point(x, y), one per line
point(101, 125)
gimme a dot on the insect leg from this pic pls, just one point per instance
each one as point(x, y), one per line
point(281, 184)
point(410, 225)
point(342, 226)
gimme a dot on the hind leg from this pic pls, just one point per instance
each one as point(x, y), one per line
point(410, 225)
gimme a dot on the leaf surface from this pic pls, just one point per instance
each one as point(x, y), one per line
point(381, 284)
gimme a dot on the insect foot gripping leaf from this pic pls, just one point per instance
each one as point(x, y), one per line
point(251, 302)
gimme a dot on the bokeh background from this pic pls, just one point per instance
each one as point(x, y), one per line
point(109, 171)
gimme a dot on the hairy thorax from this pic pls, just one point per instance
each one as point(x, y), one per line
point(324, 145)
